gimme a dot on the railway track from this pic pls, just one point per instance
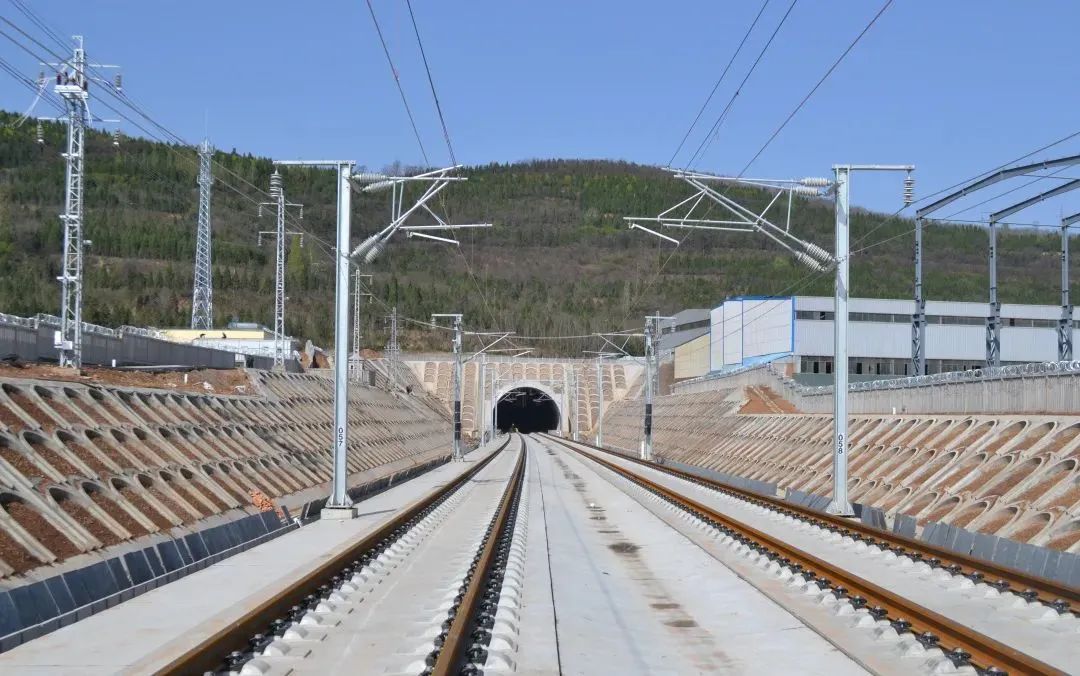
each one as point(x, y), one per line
point(465, 640)
point(300, 607)
point(960, 644)
point(1054, 595)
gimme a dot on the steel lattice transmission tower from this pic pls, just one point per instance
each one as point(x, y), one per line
point(277, 193)
point(202, 299)
point(356, 363)
point(73, 90)
point(72, 85)
point(392, 347)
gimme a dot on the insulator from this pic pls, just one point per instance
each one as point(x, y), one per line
point(379, 186)
point(275, 184)
point(260, 211)
point(809, 262)
point(363, 247)
point(41, 78)
point(116, 138)
point(258, 240)
point(118, 83)
point(909, 190)
point(815, 182)
point(818, 252)
point(368, 177)
point(805, 190)
point(374, 251)
point(40, 133)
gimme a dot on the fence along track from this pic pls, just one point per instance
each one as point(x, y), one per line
point(209, 655)
point(459, 638)
point(957, 641)
point(1058, 596)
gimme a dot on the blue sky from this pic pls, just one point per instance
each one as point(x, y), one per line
point(954, 87)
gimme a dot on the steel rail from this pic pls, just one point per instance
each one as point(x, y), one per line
point(210, 654)
point(459, 637)
point(930, 628)
point(1060, 597)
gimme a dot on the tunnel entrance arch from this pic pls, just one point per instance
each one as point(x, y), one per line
point(527, 407)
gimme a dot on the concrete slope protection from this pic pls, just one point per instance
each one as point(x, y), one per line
point(1012, 476)
point(89, 470)
point(539, 555)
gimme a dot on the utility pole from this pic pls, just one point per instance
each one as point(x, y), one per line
point(358, 295)
point(600, 390)
point(577, 396)
point(918, 318)
point(600, 400)
point(481, 392)
point(202, 297)
point(841, 443)
point(277, 192)
point(459, 368)
point(1065, 324)
point(809, 254)
point(652, 330)
point(993, 319)
point(73, 88)
point(392, 348)
point(339, 505)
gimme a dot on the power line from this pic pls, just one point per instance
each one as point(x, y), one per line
point(738, 90)
point(813, 89)
point(170, 136)
point(40, 23)
point(397, 81)
point(689, 233)
point(731, 61)
point(431, 81)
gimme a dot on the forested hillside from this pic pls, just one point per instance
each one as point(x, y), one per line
point(559, 260)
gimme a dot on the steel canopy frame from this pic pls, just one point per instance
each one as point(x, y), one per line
point(993, 320)
point(918, 318)
point(1065, 323)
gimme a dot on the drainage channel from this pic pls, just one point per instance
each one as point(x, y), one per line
point(228, 651)
point(952, 641)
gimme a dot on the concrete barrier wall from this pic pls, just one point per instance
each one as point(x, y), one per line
point(32, 340)
point(1035, 388)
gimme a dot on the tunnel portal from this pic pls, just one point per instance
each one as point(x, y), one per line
point(526, 409)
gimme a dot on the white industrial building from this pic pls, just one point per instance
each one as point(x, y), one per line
point(797, 332)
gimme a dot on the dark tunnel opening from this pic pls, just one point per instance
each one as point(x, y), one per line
point(527, 410)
